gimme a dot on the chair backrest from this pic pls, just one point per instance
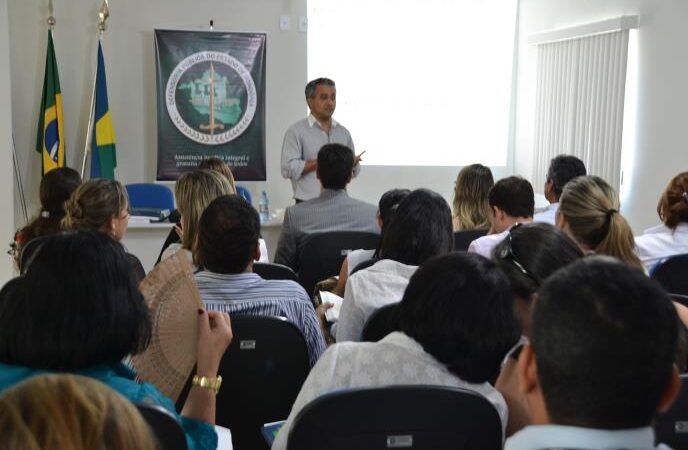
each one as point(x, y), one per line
point(150, 195)
point(321, 254)
point(380, 323)
point(398, 417)
point(273, 271)
point(27, 252)
point(671, 427)
point(263, 371)
point(672, 274)
point(242, 191)
point(462, 239)
point(165, 427)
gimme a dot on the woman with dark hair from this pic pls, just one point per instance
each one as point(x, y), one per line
point(55, 189)
point(456, 324)
point(420, 229)
point(385, 210)
point(78, 310)
point(528, 255)
point(670, 238)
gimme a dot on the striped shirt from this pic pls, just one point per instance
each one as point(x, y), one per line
point(248, 294)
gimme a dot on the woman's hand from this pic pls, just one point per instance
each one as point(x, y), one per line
point(214, 336)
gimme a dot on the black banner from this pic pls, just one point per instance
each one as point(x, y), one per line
point(211, 101)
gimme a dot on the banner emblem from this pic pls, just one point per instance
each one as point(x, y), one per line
point(211, 97)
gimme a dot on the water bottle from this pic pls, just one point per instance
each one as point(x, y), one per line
point(263, 207)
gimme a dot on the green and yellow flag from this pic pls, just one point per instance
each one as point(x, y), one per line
point(103, 157)
point(50, 142)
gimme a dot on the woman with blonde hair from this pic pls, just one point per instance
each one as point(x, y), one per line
point(54, 412)
point(193, 193)
point(101, 205)
point(217, 165)
point(589, 213)
point(671, 237)
point(470, 208)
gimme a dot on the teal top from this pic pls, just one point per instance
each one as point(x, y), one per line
point(199, 435)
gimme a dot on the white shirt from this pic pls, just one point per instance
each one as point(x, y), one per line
point(537, 437)
point(356, 257)
point(660, 242)
point(486, 244)
point(547, 215)
point(369, 290)
point(395, 360)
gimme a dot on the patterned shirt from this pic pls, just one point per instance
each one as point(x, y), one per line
point(248, 294)
point(395, 360)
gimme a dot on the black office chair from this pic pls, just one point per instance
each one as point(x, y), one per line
point(322, 254)
point(462, 239)
point(165, 427)
point(671, 427)
point(672, 274)
point(417, 417)
point(381, 323)
point(263, 371)
point(28, 251)
point(272, 271)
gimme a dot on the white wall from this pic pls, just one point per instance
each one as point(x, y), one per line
point(662, 118)
point(130, 61)
point(6, 197)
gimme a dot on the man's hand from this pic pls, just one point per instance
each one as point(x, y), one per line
point(358, 158)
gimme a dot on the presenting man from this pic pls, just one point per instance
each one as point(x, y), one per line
point(303, 139)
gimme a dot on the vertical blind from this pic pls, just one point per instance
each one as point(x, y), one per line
point(580, 103)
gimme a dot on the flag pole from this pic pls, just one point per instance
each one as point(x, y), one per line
point(20, 184)
point(103, 15)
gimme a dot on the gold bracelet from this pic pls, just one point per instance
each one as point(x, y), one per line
point(212, 383)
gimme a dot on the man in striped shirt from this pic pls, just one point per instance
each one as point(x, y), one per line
point(226, 246)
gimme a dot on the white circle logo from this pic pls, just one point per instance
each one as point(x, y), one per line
point(214, 114)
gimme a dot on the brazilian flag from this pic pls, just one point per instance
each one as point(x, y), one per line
point(103, 158)
point(50, 142)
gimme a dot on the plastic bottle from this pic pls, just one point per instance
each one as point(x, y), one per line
point(264, 207)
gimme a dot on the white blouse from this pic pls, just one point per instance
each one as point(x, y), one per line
point(660, 242)
point(395, 360)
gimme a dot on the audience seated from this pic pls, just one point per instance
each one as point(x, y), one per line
point(456, 324)
point(102, 205)
point(600, 362)
point(670, 238)
point(471, 210)
point(55, 189)
point(528, 256)
point(78, 310)
point(511, 201)
point(589, 213)
point(54, 412)
point(562, 169)
point(385, 210)
point(227, 245)
point(421, 228)
point(333, 210)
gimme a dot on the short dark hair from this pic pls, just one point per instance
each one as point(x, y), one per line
point(421, 228)
point(562, 169)
point(604, 337)
point(77, 306)
point(335, 165)
point(228, 234)
point(459, 308)
point(531, 253)
point(514, 195)
point(313, 85)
